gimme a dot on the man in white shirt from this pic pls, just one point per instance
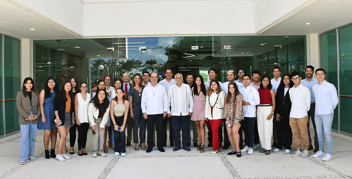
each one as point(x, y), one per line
point(190, 81)
point(256, 84)
point(309, 82)
point(154, 108)
point(213, 73)
point(240, 73)
point(181, 102)
point(167, 82)
point(225, 86)
point(326, 101)
point(126, 87)
point(300, 98)
point(250, 100)
point(146, 77)
point(275, 82)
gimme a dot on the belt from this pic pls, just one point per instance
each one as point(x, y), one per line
point(264, 105)
point(312, 104)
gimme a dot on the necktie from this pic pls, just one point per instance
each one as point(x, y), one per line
point(126, 91)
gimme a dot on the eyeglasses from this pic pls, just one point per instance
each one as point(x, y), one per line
point(107, 80)
point(211, 73)
point(83, 86)
point(295, 78)
point(286, 79)
point(240, 72)
point(256, 75)
point(51, 83)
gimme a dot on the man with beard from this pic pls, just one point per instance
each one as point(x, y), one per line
point(309, 82)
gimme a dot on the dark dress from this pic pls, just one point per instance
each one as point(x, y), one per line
point(138, 116)
point(49, 113)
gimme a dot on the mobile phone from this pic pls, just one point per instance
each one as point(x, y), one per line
point(119, 128)
point(229, 125)
point(93, 132)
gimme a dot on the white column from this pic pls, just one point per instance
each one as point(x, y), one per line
point(313, 55)
point(26, 58)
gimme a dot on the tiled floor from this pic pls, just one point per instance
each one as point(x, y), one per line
point(180, 164)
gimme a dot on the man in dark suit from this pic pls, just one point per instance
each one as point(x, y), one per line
point(126, 87)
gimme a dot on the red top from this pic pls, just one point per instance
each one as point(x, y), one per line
point(265, 96)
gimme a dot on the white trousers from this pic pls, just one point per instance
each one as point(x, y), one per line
point(265, 127)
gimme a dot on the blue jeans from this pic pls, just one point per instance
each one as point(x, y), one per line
point(28, 138)
point(324, 123)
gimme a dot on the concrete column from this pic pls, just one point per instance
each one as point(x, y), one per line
point(26, 58)
point(313, 55)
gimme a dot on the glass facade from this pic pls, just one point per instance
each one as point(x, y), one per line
point(336, 59)
point(196, 54)
point(10, 82)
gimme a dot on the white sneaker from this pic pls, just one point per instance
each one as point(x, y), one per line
point(305, 153)
point(66, 156)
point(256, 146)
point(94, 155)
point(60, 158)
point(297, 154)
point(103, 154)
point(287, 151)
point(214, 152)
point(23, 162)
point(319, 154)
point(277, 150)
point(245, 149)
point(123, 154)
point(250, 151)
point(117, 153)
point(327, 157)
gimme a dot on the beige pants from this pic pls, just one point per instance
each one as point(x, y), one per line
point(299, 128)
point(98, 140)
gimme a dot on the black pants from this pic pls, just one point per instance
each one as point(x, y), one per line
point(250, 130)
point(275, 132)
point(284, 131)
point(73, 135)
point(226, 136)
point(158, 119)
point(256, 133)
point(119, 136)
point(179, 122)
point(164, 131)
point(82, 135)
point(140, 122)
point(242, 130)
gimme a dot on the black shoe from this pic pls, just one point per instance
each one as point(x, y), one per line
point(195, 144)
point(232, 153)
point(148, 150)
point(84, 153)
point(80, 154)
point(267, 152)
point(128, 144)
point(186, 148)
point(171, 144)
point(238, 154)
point(310, 147)
point(226, 146)
point(47, 155)
point(52, 153)
point(262, 151)
point(162, 150)
point(210, 145)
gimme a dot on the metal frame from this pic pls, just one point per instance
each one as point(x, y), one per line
point(3, 81)
point(338, 80)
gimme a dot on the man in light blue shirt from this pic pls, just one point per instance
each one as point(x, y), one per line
point(309, 82)
point(326, 101)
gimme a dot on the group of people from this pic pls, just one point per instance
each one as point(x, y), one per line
point(262, 109)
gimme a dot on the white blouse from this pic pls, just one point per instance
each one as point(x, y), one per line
point(82, 107)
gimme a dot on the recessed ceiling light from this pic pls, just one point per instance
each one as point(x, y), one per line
point(242, 53)
point(77, 47)
point(307, 23)
point(48, 63)
point(98, 55)
point(262, 44)
point(32, 29)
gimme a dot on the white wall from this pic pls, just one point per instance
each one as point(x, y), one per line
point(26, 58)
point(268, 11)
point(168, 18)
point(313, 55)
point(68, 13)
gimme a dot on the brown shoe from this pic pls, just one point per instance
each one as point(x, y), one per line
point(316, 149)
point(106, 149)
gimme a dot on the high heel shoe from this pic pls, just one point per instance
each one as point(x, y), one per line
point(47, 155)
point(201, 149)
point(52, 153)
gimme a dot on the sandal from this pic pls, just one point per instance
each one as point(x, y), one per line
point(80, 153)
point(143, 146)
point(84, 152)
point(136, 147)
point(201, 149)
point(106, 149)
point(72, 151)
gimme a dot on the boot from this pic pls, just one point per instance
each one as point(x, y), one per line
point(52, 153)
point(47, 156)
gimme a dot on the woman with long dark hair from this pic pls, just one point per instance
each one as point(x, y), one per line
point(214, 106)
point(64, 113)
point(82, 100)
point(135, 99)
point(199, 93)
point(233, 113)
point(75, 90)
point(265, 114)
point(28, 107)
point(98, 115)
point(46, 120)
point(119, 113)
point(283, 108)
